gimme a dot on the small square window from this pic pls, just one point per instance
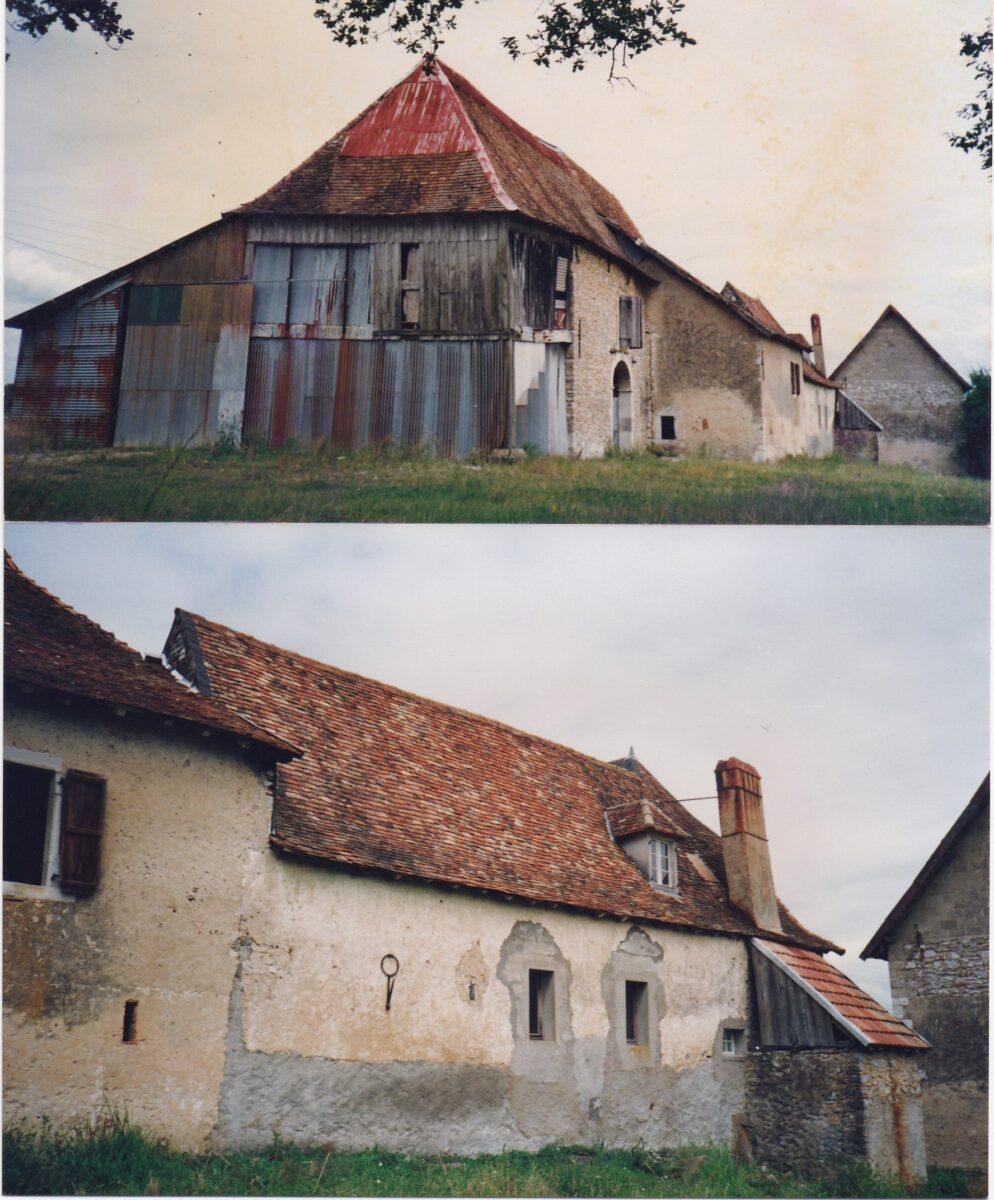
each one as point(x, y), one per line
point(662, 863)
point(733, 1043)
point(636, 1012)
point(667, 429)
point(541, 1006)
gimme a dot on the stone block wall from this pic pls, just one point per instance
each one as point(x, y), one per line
point(597, 286)
point(808, 1109)
point(914, 397)
point(856, 444)
point(939, 971)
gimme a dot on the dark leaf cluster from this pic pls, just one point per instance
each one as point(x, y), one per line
point(36, 17)
point(976, 48)
point(974, 448)
point(567, 31)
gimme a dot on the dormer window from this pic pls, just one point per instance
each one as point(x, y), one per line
point(662, 863)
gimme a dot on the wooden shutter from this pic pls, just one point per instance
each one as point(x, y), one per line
point(83, 799)
point(630, 322)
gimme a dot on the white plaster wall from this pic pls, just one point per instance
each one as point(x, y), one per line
point(181, 815)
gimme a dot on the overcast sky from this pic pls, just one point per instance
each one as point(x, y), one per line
point(850, 666)
point(798, 150)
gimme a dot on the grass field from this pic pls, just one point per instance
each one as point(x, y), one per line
point(119, 1159)
point(321, 485)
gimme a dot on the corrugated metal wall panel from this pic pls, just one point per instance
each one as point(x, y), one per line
point(174, 418)
point(445, 396)
point(64, 385)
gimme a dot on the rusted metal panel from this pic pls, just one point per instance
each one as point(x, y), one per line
point(66, 369)
point(216, 256)
point(448, 397)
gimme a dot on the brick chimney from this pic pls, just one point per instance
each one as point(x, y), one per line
point(743, 842)
point(816, 343)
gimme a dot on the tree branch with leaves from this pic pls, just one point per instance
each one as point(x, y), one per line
point(37, 17)
point(977, 139)
point(566, 31)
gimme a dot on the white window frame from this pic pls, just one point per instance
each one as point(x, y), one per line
point(48, 890)
point(662, 864)
point(735, 1046)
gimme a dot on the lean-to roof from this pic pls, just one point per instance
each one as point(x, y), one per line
point(392, 782)
point(858, 1013)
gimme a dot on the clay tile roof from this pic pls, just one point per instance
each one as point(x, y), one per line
point(760, 315)
point(49, 647)
point(434, 144)
point(813, 375)
point(879, 945)
point(392, 782)
point(859, 1014)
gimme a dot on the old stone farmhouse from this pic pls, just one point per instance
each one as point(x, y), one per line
point(936, 941)
point(434, 275)
point(902, 382)
point(282, 897)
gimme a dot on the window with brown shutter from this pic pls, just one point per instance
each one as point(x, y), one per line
point(83, 797)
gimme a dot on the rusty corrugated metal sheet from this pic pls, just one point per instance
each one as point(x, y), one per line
point(64, 385)
point(446, 396)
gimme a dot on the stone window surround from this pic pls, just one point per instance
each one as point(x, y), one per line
point(45, 891)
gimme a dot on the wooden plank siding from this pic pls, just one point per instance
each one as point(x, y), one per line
point(788, 1016)
point(463, 290)
point(216, 256)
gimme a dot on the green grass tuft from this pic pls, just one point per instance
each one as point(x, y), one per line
point(116, 1157)
point(256, 483)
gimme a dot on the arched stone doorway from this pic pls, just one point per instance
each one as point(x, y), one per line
point(621, 408)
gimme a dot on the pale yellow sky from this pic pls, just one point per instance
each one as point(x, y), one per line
point(798, 149)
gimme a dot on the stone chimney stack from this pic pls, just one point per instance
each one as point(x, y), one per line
point(816, 343)
point(743, 842)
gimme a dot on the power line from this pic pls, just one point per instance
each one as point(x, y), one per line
point(77, 216)
point(79, 232)
point(44, 250)
point(76, 241)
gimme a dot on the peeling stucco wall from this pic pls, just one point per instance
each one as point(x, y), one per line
point(597, 287)
point(939, 974)
point(159, 930)
point(313, 1052)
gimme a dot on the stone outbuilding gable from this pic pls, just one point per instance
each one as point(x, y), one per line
point(936, 943)
point(383, 920)
point(435, 275)
point(908, 387)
